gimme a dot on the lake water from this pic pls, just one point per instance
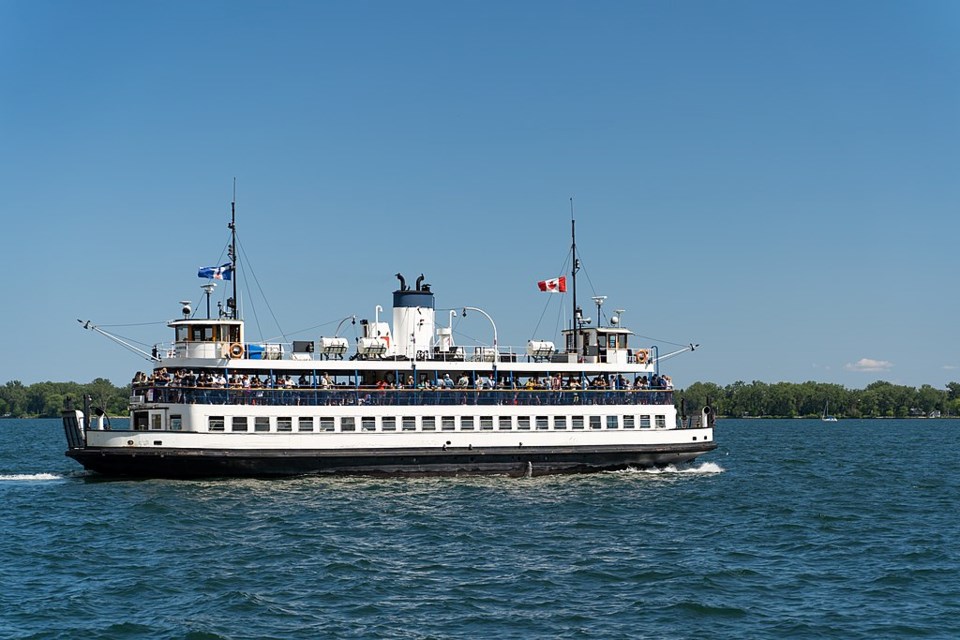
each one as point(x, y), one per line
point(791, 529)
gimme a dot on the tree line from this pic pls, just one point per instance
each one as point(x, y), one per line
point(879, 399)
point(738, 400)
point(47, 399)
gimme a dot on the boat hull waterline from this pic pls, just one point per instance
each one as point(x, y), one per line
point(518, 461)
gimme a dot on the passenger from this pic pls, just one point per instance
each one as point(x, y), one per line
point(447, 381)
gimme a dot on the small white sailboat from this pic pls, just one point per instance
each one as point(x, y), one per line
point(825, 417)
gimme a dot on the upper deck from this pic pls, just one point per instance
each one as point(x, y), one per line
point(413, 346)
point(220, 344)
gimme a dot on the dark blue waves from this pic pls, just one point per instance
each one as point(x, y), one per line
point(796, 529)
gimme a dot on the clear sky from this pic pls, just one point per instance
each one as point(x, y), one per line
point(777, 181)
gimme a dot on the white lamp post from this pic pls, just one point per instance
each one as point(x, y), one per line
point(496, 350)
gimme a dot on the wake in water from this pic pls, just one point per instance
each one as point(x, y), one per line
point(30, 477)
point(704, 468)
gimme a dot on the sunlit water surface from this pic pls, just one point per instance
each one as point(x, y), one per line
point(791, 529)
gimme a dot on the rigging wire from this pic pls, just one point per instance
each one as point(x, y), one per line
point(131, 340)
point(262, 295)
point(549, 301)
point(135, 324)
point(659, 340)
point(316, 326)
point(223, 292)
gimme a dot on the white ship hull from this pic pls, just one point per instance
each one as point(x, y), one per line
point(498, 440)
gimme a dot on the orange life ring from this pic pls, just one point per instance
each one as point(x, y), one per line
point(641, 356)
point(236, 350)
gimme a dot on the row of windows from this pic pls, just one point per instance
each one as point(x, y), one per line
point(266, 424)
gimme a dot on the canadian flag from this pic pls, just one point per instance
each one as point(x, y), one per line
point(554, 285)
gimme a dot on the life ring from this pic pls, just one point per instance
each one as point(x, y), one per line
point(236, 350)
point(641, 356)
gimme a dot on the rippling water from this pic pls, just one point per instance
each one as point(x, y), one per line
point(792, 528)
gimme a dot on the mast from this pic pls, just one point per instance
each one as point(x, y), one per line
point(573, 273)
point(232, 302)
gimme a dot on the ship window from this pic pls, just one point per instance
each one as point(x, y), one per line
point(409, 423)
point(628, 422)
point(182, 333)
point(348, 424)
point(644, 422)
point(214, 423)
point(368, 423)
point(486, 423)
point(560, 423)
point(661, 422)
point(448, 423)
point(207, 334)
point(389, 424)
point(303, 424)
point(612, 342)
point(467, 423)
point(613, 422)
point(238, 424)
point(326, 424)
point(429, 423)
point(504, 424)
point(176, 423)
point(523, 423)
point(578, 422)
point(543, 423)
point(156, 422)
point(261, 423)
point(284, 424)
point(594, 422)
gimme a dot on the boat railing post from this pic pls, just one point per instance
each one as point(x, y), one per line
point(86, 415)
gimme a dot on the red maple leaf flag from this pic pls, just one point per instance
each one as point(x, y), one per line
point(554, 285)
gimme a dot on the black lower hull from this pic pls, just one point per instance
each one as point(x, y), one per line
point(207, 463)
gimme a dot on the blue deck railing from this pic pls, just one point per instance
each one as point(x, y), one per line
point(399, 397)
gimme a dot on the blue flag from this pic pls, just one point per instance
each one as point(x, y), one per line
point(223, 272)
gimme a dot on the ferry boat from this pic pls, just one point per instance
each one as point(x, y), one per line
point(404, 399)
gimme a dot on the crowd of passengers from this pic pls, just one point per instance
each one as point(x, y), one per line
point(218, 380)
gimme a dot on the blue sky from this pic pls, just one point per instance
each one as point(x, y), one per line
point(777, 181)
